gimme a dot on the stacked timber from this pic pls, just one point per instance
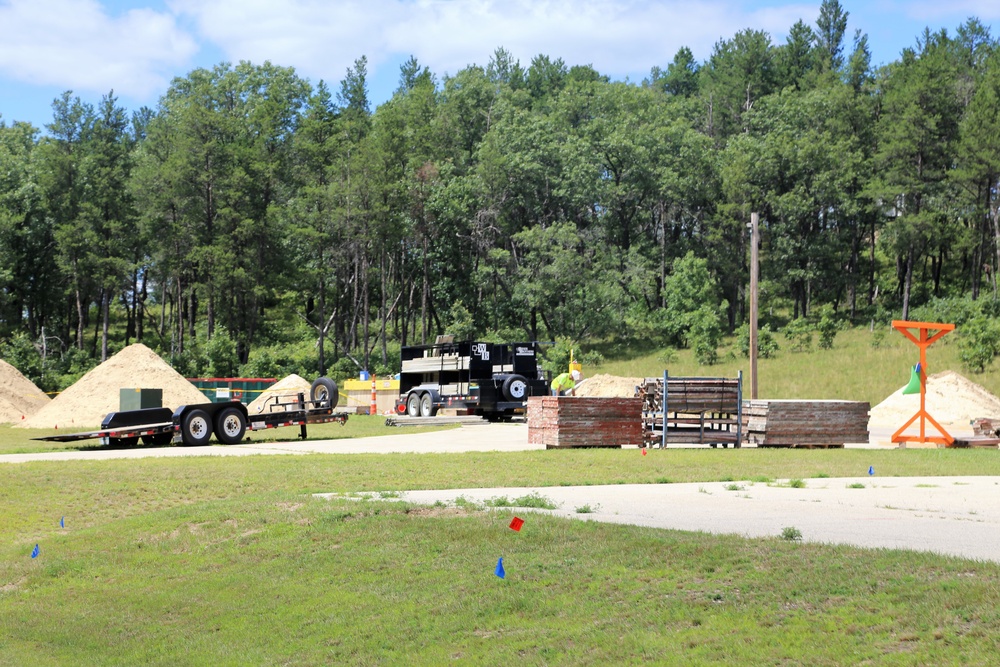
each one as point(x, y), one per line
point(795, 423)
point(692, 410)
point(579, 421)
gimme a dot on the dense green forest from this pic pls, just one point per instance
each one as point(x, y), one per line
point(257, 223)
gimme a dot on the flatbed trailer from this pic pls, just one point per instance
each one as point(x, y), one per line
point(194, 425)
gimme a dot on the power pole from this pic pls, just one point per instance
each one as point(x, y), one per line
point(754, 244)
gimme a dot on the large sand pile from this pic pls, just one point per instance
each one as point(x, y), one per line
point(608, 386)
point(285, 390)
point(19, 397)
point(951, 399)
point(85, 404)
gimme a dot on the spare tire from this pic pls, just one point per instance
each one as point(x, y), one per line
point(323, 393)
point(515, 388)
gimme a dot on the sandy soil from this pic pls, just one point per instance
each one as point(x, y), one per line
point(951, 399)
point(85, 403)
point(19, 397)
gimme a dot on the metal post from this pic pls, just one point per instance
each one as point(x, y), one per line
point(754, 244)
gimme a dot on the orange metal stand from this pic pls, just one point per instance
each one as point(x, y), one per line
point(923, 342)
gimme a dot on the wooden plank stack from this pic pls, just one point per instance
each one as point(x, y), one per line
point(580, 421)
point(696, 410)
point(806, 424)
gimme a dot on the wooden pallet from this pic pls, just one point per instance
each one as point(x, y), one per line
point(578, 421)
point(804, 424)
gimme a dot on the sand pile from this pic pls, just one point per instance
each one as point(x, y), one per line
point(286, 390)
point(85, 404)
point(608, 386)
point(19, 397)
point(951, 399)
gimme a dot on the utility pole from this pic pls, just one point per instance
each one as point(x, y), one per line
point(754, 245)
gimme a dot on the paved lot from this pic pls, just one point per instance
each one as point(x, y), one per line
point(957, 516)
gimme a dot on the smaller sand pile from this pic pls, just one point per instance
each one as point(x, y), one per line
point(19, 397)
point(285, 390)
point(85, 404)
point(951, 399)
point(608, 386)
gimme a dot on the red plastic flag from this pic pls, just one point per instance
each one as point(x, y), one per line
point(643, 451)
point(516, 524)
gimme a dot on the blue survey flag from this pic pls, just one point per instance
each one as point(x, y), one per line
point(871, 470)
point(35, 552)
point(62, 522)
point(499, 571)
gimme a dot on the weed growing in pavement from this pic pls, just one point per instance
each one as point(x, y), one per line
point(533, 500)
point(587, 509)
point(796, 484)
point(856, 485)
point(791, 534)
point(733, 487)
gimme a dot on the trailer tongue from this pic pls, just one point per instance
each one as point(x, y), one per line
point(194, 425)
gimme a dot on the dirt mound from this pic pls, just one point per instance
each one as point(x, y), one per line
point(951, 399)
point(19, 397)
point(85, 404)
point(285, 390)
point(608, 386)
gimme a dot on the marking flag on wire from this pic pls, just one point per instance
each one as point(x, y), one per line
point(62, 522)
point(35, 552)
point(516, 524)
point(871, 470)
point(499, 571)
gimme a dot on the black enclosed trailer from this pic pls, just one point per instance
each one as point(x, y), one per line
point(490, 379)
point(194, 425)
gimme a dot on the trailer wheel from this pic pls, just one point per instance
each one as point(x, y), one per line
point(158, 439)
point(515, 388)
point(230, 426)
point(324, 394)
point(196, 428)
point(427, 408)
point(413, 405)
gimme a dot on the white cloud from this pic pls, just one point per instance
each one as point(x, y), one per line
point(76, 44)
point(321, 39)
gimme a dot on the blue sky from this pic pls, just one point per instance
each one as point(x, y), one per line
point(136, 47)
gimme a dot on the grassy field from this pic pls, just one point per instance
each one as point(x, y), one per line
point(230, 561)
point(852, 370)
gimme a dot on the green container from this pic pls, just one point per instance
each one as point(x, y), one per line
point(138, 399)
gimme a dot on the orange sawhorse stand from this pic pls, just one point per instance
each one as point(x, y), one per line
point(923, 342)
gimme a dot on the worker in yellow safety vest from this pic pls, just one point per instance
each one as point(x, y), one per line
point(565, 383)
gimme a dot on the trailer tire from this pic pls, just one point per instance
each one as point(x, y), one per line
point(515, 388)
point(196, 428)
point(157, 439)
point(427, 407)
point(323, 393)
point(413, 405)
point(230, 426)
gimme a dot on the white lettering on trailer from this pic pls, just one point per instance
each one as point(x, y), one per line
point(525, 352)
point(479, 349)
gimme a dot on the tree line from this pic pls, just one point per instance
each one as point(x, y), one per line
point(252, 212)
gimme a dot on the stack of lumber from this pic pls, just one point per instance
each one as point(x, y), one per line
point(800, 423)
point(695, 410)
point(578, 421)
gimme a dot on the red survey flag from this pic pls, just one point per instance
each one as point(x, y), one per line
point(516, 524)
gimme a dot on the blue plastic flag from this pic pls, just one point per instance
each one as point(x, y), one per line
point(871, 470)
point(918, 367)
point(62, 522)
point(499, 571)
point(35, 552)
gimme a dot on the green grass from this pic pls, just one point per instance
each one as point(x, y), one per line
point(230, 561)
point(852, 370)
point(19, 440)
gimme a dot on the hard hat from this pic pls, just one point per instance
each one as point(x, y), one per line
point(576, 375)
